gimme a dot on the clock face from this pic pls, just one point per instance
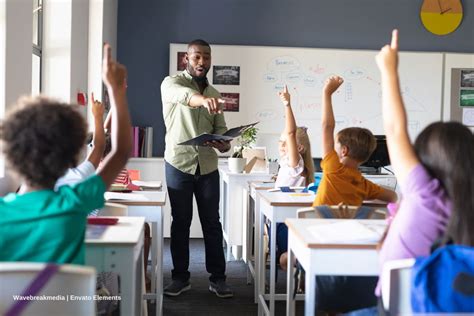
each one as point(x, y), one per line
point(441, 17)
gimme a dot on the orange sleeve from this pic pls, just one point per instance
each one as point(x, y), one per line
point(372, 190)
point(330, 162)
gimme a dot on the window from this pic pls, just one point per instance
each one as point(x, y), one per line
point(37, 46)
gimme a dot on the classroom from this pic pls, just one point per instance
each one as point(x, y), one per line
point(326, 168)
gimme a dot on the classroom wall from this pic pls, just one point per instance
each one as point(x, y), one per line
point(146, 27)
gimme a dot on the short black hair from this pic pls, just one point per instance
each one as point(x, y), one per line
point(42, 138)
point(199, 42)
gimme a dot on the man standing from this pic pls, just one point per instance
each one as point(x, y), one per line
point(191, 107)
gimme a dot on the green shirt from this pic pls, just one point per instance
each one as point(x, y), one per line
point(48, 226)
point(184, 122)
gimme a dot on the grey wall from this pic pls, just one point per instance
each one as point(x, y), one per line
point(146, 27)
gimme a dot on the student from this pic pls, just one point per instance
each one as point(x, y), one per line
point(296, 167)
point(342, 155)
point(88, 167)
point(435, 174)
point(342, 182)
point(42, 138)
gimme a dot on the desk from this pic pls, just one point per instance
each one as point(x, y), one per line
point(318, 258)
point(276, 207)
point(149, 204)
point(233, 206)
point(119, 248)
point(251, 231)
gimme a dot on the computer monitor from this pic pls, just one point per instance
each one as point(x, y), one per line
point(379, 157)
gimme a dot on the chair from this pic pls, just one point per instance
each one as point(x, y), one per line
point(396, 285)
point(338, 211)
point(113, 209)
point(69, 281)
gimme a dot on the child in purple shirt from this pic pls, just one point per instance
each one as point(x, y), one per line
point(435, 175)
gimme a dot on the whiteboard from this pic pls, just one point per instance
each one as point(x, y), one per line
point(265, 70)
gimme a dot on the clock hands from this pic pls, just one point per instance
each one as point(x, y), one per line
point(444, 11)
point(440, 8)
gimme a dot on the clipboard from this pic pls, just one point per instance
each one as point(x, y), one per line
point(227, 136)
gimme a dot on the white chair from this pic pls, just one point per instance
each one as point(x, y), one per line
point(344, 211)
point(70, 280)
point(113, 209)
point(396, 285)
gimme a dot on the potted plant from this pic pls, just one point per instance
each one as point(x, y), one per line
point(245, 140)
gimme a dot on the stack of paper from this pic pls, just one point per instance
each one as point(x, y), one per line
point(125, 196)
point(148, 185)
point(348, 231)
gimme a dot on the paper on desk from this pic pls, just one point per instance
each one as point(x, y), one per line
point(350, 231)
point(125, 196)
point(147, 184)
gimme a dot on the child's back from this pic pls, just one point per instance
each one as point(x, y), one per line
point(41, 140)
point(342, 182)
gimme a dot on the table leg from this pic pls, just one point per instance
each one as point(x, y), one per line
point(272, 266)
point(290, 282)
point(310, 292)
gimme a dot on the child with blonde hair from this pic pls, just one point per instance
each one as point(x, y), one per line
point(296, 166)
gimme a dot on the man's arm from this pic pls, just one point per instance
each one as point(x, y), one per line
point(328, 122)
point(387, 195)
point(98, 140)
point(401, 152)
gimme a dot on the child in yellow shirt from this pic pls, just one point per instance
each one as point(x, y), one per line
point(342, 155)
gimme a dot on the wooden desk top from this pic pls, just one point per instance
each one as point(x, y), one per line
point(140, 198)
point(302, 229)
point(287, 198)
point(262, 185)
point(127, 231)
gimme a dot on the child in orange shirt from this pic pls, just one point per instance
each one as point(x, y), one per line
point(342, 182)
point(342, 155)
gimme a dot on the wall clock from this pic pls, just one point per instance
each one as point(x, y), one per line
point(441, 17)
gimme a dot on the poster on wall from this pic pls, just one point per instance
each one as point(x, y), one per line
point(231, 102)
point(226, 75)
point(468, 116)
point(467, 78)
point(181, 61)
point(467, 98)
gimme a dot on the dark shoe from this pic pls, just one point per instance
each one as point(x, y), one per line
point(177, 287)
point(221, 289)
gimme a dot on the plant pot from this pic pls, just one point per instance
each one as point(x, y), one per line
point(237, 164)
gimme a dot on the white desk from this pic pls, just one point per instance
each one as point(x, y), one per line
point(149, 204)
point(119, 248)
point(233, 206)
point(318, 258)
point(251, 219)
point(276, 207)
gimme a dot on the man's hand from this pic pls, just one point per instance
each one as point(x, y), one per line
point(113, 73)
point(387, 58)
point(220, 145)
point(285, 96)
point(213, 104)
point(97, 108)
point(332, 84)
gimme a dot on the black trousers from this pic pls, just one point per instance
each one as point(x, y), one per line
point(181, 187)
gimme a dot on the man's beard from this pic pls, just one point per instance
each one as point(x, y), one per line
point(198, 79)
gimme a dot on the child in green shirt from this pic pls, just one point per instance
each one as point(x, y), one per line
point(42, 138)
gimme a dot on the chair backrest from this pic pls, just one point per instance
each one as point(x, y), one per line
point(113, 209)
point(396, 286)
point(71, 281)
point(338, 211)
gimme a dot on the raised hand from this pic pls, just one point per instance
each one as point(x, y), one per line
point(114, 74)
point(387, 58)
point(213, 104)
point(285, 96)
point(97, 107)
point(332, 84)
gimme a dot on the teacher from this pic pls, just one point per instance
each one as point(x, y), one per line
point(190, 108)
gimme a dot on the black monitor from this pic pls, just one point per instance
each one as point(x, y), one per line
point(379, 157)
